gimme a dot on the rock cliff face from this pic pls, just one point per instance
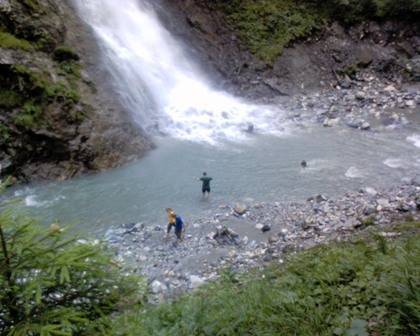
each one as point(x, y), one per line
point(250, 44)
point(56, 120)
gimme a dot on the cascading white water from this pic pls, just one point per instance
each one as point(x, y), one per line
point(159, 84)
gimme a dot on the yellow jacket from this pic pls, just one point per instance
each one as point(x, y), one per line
point(171, 217)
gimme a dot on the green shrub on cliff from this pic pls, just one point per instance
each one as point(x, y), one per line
point(64, 53)
point(52, 284)
point(268, 26)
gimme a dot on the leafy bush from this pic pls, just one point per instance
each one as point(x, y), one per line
point(55, 285)
point(64, 53)
point(346, 289)
point(268, 26)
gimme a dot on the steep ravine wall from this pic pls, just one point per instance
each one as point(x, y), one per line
point(271, 48)
point(57, 116)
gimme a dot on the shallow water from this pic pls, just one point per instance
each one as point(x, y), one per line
point(264, 168)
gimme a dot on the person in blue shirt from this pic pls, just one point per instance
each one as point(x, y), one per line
point(175, 221)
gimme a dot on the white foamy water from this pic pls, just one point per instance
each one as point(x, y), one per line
point(159, 84)
point(394, 163)
point(33, 201)
point(354, 172)
point(414, 139)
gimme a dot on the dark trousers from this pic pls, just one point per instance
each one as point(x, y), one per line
point(178, 230)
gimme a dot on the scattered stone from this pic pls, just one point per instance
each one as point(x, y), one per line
point(320, 198)
point(240, 209)
point(196, 281)
point(371, 191)
point(266, 228)
point(360, 95)
point(365, 126)
point(158, 287)
point(225, 235)
point(329, 122)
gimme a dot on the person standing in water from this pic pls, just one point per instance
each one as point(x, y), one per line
point(206, 184)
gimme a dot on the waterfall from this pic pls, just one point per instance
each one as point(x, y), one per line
point(159, 84)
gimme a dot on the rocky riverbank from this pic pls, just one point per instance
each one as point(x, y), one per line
point(250, 234)
point(362, 101)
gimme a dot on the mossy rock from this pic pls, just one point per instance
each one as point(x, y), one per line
point(9, 41)
point(63, 53)
point(30, 116)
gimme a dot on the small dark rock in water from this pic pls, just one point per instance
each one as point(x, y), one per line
point(132, 228)
point(415, 181)
point(266, 228)
point(304, 164)
point(225, 235)
point(320, 198)
point(250, 128)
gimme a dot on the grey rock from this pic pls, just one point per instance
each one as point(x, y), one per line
point(320, 198)
point(240, 208)
point(365, 126)
point(158, 287)
point(196, 281)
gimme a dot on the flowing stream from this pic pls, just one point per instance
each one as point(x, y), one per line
point(203, 130)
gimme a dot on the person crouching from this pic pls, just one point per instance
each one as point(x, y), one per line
point(174, 221)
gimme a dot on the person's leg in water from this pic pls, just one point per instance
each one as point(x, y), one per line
point(206, 192)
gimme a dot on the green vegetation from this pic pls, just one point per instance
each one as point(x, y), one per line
point(55, 285)
point(8, 41)
point(357, 288)
point(4, 134)
point(30, 116)
point(266, 27)
point(31, 92)
point(64, 53)
point(9, 99)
